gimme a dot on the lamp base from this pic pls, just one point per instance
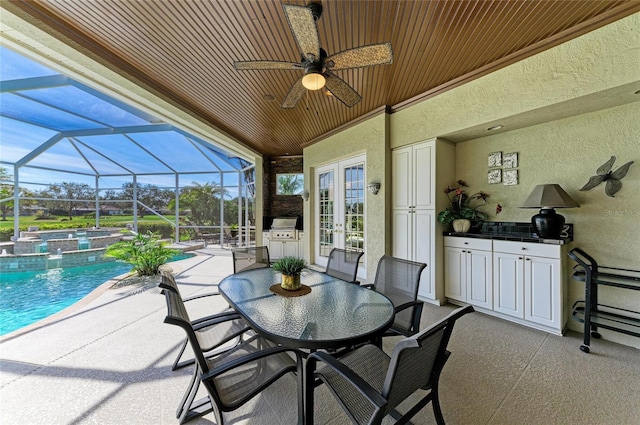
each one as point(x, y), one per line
point(547, 223)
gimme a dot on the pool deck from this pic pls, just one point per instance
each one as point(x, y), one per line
point(107, 359)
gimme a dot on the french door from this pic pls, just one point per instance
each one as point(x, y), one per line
point(340, 209)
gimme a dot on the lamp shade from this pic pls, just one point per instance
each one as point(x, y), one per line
point(549, 196)
point(547, 223)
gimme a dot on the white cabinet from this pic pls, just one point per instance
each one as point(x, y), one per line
point(417, 171)
point(468, 271)
point(519, 281)
point(412, 175)
point(529, 283)
point(285, 248)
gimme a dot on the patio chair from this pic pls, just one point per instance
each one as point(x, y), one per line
point(369, 384)
point(398, 280)
point(229, 239)
point(235, 376)
point(215, 338)
point(248, 258)
point(205, 237)
point(343, 264)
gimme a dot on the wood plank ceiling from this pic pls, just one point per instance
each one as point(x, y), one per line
point(184, 51)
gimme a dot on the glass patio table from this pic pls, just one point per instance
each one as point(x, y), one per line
point(334, 314)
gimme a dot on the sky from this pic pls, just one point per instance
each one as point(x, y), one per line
point(37, 104)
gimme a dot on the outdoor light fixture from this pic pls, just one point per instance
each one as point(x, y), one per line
point(373, 188)
point(305, 195)
point(547, 223)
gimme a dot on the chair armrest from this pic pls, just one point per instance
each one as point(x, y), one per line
point(214, 319)
point(349, 375)
point(367, 285)
point(195, 297)
point(406, 305)
point(250, 358)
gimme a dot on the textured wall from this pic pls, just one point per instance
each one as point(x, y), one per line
point(371, 139)
point(602, 59)
point(282, 205)
point(568, 152)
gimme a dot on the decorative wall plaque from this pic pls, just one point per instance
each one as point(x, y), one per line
point(510, 177)
point(494, 176)
point(495, 159)
point(510, 160)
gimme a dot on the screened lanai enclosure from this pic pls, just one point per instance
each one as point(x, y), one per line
point(69, 148)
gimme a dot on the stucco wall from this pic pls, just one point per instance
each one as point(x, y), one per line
point(370, 138)
point(602, 59)
point(568, 152)
point(565, 151)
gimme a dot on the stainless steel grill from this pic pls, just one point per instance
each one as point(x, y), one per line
point(283, 228)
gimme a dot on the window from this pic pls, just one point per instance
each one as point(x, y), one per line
point(289, 184)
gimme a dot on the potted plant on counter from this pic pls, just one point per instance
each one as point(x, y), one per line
point(290, 267)
point(463, 212)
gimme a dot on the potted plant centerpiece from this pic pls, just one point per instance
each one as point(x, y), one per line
point(463, 212)
point(290, 267)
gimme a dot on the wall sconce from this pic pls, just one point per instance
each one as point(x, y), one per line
point(373, 188)
point(305, 195)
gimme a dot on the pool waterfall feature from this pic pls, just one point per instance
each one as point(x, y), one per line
point(44, 250)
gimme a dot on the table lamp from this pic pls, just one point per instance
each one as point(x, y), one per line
point(547, 223)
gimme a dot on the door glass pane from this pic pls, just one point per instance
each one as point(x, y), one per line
point(354, 208)
point(326, 194)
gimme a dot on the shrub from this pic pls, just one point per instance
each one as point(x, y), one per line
point(145, 253)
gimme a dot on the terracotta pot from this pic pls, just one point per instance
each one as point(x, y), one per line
point(290, 283)
point(461, 225)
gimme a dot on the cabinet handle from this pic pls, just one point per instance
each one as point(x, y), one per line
point(463, 251)
point(528, 259)
point(523, 248)
point(519, 258)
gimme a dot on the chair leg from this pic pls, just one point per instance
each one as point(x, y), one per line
point(309, 385)
point(189, 394)
point(177, 364)
point(301, 392)
point(435, 402)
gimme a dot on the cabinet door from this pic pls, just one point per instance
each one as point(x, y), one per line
point(542, 291)
point(402, 178)
point(276, 250)
point(455, 273)
point(479, 278)
point(290, 249)
point(422, 176)
point(422, 244)
point(508, 284)
point(402, 234)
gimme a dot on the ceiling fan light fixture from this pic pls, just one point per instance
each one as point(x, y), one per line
point(313, 81)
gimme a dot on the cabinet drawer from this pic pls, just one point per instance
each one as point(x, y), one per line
point(471, 243)
point(524, 248)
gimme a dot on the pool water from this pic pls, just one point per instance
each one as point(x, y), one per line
point(28, 297)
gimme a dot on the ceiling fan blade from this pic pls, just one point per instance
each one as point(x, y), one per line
point(373, 54)
point(304, 30)
point(295, 94)
point(249, 65)
point(341, 90)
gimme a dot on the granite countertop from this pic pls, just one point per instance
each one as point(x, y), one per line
point(517, 232)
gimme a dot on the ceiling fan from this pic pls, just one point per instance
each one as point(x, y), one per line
point(318, 67)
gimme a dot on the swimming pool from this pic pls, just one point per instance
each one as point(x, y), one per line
point(27, 297)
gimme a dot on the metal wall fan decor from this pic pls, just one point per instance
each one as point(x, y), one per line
point(317, 65)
